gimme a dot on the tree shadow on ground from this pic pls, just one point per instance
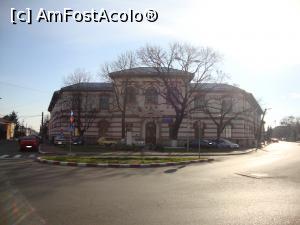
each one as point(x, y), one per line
point(173, 170)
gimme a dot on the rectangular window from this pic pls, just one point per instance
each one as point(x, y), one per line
point(104, 103)
point(227, 104)
point(199, 102)
point(131, 95)
point(227, 131)
point(151, 96)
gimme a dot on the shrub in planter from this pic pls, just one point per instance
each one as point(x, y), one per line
point(159, 148)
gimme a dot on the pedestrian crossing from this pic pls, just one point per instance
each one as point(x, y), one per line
point(18, 156)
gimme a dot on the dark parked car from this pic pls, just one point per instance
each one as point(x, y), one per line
point(224, 143)
point(203, 144)
point(77, 140)
point(29, 143)
point(60, 140)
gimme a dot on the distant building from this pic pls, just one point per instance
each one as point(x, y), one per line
point(7, 129)
point(149, 116)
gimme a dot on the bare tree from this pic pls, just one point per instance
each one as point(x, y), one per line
point(80, 102)
point(292, 125)
point(193, 66)
point(120, 86)
point(223, 109)
point(77, 77)
point(44, 128)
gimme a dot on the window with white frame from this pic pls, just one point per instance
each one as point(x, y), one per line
point(227, 132)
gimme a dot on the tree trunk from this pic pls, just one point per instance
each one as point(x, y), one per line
point(123, 125)
point(219, 132)
point(175, 130)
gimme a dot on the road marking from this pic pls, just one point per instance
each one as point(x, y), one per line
point(17, 156)
point(4, 156)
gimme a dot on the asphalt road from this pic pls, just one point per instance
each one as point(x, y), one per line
point(10, 149)
point(259, 188)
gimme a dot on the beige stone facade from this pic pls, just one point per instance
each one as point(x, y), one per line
point(149, 115)
point(9, 128)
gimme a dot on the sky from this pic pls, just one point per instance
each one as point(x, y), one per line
point(259, 41)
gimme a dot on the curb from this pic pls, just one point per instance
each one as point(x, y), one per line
point(114, 165)
point(175, 154)
point(50, 153)
point(229, 153)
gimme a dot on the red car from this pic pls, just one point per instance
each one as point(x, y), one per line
point(29, 143)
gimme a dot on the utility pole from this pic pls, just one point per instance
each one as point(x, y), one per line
point(188, 126)
point(71, 129)
point(42, 119)
point(42, 127)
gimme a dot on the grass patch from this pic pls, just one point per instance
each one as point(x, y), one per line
point(119, 160)
point(99, 148)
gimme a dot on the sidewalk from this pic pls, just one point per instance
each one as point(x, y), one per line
point(53, 150)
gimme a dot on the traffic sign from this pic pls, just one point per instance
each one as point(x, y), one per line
point(167, 120)
point(71, 128)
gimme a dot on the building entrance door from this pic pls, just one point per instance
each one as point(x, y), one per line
point(150, 133)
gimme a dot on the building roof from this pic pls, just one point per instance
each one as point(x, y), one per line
point(86, 86)
point(216, 87)
point(4, 121)
point(151, 71)
point(146, 71)
point(222, 87)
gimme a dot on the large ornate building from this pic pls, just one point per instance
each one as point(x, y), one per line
point(214, 108)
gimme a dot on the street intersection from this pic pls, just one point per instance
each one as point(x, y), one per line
point(261, 187)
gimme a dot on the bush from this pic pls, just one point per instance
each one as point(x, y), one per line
point(157, 147)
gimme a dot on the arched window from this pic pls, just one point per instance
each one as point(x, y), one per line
point(151, 96)
point(131, 95)
point(103, 128)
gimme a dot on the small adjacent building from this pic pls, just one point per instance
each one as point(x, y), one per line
point(7, 129)
point(149, 116)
